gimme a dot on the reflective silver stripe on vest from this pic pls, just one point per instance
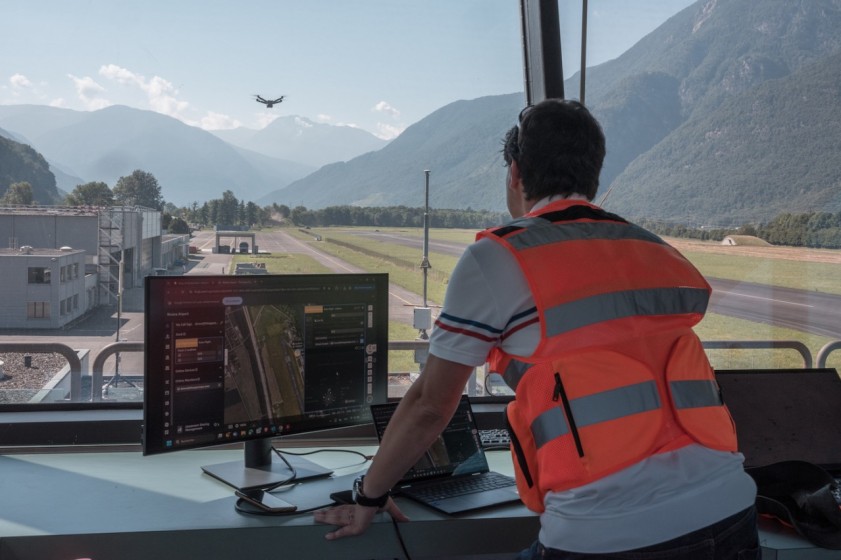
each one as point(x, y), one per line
point(618, 305)
point(695, 393)
point(596, 408)
point(541, 232)
point(514, 372)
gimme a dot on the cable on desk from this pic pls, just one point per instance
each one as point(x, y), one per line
point(400, 539)
point(351, 451)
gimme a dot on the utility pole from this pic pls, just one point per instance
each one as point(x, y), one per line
point(423, 315)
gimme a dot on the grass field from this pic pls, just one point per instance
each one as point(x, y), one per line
point(786, 267)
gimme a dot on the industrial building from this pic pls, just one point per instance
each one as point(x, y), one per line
point(60, 262)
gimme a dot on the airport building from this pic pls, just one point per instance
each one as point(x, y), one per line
point(60, 262)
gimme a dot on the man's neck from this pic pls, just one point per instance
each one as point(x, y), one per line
point(553, 198)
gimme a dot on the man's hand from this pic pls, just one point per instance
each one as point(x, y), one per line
point(354, 519)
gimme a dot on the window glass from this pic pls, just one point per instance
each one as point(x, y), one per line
point(39, 275)
point(719, 128)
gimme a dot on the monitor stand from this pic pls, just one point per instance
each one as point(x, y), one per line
point(261, 469)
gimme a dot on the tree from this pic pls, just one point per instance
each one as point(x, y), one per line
point(252, 214)
point(228, 207)
point(178, 225)
point(95, 193)
point(139, 189)
point(18, 193)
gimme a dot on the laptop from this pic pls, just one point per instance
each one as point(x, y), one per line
point(783, 415)
point(453, 475)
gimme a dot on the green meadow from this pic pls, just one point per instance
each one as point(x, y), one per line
point(402, 263)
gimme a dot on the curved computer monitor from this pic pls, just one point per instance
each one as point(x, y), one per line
point(249, 358)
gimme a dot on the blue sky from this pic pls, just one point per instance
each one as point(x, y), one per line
point(380, 65)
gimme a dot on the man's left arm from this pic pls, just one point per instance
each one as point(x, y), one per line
point(421, 416)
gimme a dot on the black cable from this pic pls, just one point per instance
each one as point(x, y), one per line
point(400, 539)
point(242, 506)
point(351, 451)
point(286, 481)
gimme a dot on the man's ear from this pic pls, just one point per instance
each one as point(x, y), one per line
point(515, 195)
point(514, 180)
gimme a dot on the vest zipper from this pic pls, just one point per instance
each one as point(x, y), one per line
point(559, 392)
point(518, 451)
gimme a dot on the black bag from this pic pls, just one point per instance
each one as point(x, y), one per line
point(800, 494)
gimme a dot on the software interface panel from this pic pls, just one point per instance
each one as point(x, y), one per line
point(240, 357)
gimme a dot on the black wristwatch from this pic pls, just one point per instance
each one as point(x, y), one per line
point(360, 498)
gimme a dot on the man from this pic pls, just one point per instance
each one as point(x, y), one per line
point(620, 440)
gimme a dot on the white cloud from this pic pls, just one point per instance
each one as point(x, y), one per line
point(89, 92)
point(322, 118)
point(218, 121)
point(21, 87)
point(388, 131)
point(121, 75)
point(160, 93)
point(385, 107)
point(58, 102)
point(19, 81)
point(303, 123)
point(264, 119)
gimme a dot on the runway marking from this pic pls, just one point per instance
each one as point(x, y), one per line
point(765, 298)
point(339, 264)
point(405, 301)
point(321, 255)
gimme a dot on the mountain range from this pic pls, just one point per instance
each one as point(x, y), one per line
point(722, 94)
point(298, 139)
point(189, 163)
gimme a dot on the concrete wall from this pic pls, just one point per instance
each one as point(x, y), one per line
point(68, 295)
point(50, 231)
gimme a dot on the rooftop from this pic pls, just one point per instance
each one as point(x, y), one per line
point(26, 251)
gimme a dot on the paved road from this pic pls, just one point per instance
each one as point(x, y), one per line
point(401, 301)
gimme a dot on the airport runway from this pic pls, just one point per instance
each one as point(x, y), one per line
point(803, 310)
point(401, 301)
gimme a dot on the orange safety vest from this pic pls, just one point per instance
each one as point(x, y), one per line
point(618, 374)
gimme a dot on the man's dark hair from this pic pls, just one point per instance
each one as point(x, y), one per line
point(559, 148)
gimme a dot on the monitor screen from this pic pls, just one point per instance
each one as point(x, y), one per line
point(248, 358)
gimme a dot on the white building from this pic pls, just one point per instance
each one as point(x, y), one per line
point(94, 242)
point(44, 288)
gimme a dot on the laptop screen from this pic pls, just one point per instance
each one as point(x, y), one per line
point(457, 450)
point(785, 415)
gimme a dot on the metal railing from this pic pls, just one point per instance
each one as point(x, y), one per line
point(762, 345)
point(827, 349)
point(99, 363)
point(97, 376)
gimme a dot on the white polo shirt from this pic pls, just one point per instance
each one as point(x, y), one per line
point(488, 304)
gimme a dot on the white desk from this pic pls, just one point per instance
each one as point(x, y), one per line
point(123, 506)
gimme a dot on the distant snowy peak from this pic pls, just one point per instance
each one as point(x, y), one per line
point(296, 138)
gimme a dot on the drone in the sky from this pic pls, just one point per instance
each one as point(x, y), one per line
point(269, 103)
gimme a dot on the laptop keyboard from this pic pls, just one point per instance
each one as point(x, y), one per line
point(494, 437)
point(460, 486)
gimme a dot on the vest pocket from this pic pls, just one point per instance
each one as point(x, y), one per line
point(583, 417)
point(695, 396)
point(523, 452)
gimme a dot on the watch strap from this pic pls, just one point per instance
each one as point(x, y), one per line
point(363, 500)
